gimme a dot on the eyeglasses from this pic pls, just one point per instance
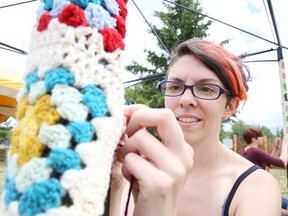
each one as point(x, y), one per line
point(201, 91)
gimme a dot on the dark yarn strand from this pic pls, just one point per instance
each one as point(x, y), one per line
point(129, 196)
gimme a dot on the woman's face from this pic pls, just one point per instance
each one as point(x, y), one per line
point(260, 140)
point(199, 119)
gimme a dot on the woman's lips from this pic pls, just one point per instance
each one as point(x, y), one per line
point(188, 119)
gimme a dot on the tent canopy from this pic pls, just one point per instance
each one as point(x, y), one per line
point(10, 83)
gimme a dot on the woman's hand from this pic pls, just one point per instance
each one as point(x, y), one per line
point(277, 143)
point(160, 168)
point(118, 181)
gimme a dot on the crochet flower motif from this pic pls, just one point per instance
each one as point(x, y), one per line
point(112, 28)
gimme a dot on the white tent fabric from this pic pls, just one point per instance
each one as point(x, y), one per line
point(10, 83)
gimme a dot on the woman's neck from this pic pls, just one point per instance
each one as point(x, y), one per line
point(251, 145)
point(212, 152)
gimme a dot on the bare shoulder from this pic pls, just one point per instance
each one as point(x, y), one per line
point(258, 194)
point(260, 179)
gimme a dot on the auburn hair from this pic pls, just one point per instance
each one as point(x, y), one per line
point(249, 133)
point(228, 67)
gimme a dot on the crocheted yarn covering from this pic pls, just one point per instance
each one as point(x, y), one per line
point(70, 111)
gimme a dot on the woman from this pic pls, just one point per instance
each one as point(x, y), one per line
point(189, 171)
point(254, 138)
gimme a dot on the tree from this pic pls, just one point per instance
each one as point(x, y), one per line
point(238, 127)
point(279, 133)
point(5, 134)
point(178, 25)
point(267, 132)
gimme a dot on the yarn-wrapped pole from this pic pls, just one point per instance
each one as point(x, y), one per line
point(70, 111)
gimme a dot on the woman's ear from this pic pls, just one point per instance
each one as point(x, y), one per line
point(231, 107)
point(254, 139)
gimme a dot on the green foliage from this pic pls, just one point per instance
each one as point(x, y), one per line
point(223, 133)
point(279, 133)
point(177, 25)
point(267, 132)
point(238, 127)
point(148, 95)
point(5, 134)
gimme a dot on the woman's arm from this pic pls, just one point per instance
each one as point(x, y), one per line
point(276, 147)
point(118, 185)
point(261, 198)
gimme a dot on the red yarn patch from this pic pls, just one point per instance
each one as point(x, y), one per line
point(123, 9)
point(121, 26)
point(112, 39)
point(73, 15)
point(44, 21)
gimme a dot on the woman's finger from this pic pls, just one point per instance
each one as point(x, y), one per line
point(163, 120)
point(149, 147)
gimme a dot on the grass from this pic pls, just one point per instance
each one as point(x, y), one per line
point(281, 177)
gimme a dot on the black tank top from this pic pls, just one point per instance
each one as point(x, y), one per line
point(235, 187)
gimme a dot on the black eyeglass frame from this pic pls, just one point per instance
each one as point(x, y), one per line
point(221, 90)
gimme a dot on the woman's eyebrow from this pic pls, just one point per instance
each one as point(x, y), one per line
point(204, 80)
point(175, 79)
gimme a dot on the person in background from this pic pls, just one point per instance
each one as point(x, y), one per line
point(278, 158)
point(188, 171)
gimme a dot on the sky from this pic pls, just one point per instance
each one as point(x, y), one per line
point(264, 104)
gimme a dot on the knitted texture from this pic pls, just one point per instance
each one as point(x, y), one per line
point(70, 111)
